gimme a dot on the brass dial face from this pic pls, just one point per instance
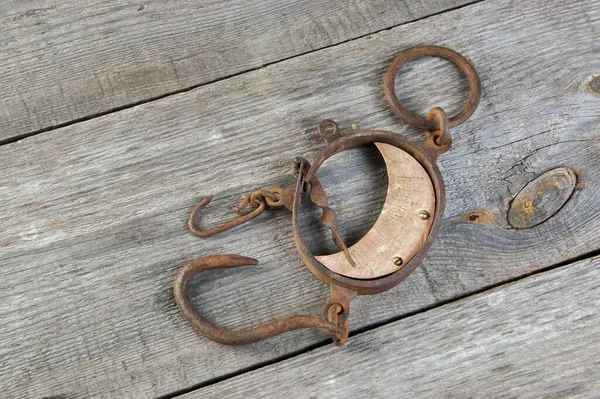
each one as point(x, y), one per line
point(402, 226)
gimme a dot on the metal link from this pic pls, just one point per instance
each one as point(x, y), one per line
point(255, 200)
point(441, 136)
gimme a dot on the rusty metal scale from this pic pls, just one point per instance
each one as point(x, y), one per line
point(394, 246)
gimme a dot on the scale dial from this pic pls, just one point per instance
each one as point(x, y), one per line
point(402, 226)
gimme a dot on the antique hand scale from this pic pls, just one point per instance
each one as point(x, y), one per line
point(391, 249)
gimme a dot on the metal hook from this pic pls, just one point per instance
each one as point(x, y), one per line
point(336, 310)
point(275, 197)
point(187, 273)
point(226, 226)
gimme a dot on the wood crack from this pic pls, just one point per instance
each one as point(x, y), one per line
point(85, 118)
point(374, 326)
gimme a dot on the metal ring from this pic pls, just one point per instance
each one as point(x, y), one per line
point(329, 135)
point(354, 140)
point(389, 85)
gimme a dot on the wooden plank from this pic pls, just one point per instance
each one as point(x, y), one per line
point(539, 337)
point(74, 59)
point(93, 215)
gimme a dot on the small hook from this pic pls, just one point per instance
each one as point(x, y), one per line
point(226, 226)
point(244, 337)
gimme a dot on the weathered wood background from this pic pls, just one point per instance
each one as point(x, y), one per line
point(117, 119)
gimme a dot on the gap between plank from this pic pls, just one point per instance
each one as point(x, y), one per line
point(14, 139)
point(361, 330)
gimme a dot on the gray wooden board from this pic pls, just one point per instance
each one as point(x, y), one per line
point(67, 60)
point(538, 337)
point(93, 215)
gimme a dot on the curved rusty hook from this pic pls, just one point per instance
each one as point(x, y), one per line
point(229, 337)
point(262, 205)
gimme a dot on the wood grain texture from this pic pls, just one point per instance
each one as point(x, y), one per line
point(93, 215)
point(539, 337)
point(67, 60)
